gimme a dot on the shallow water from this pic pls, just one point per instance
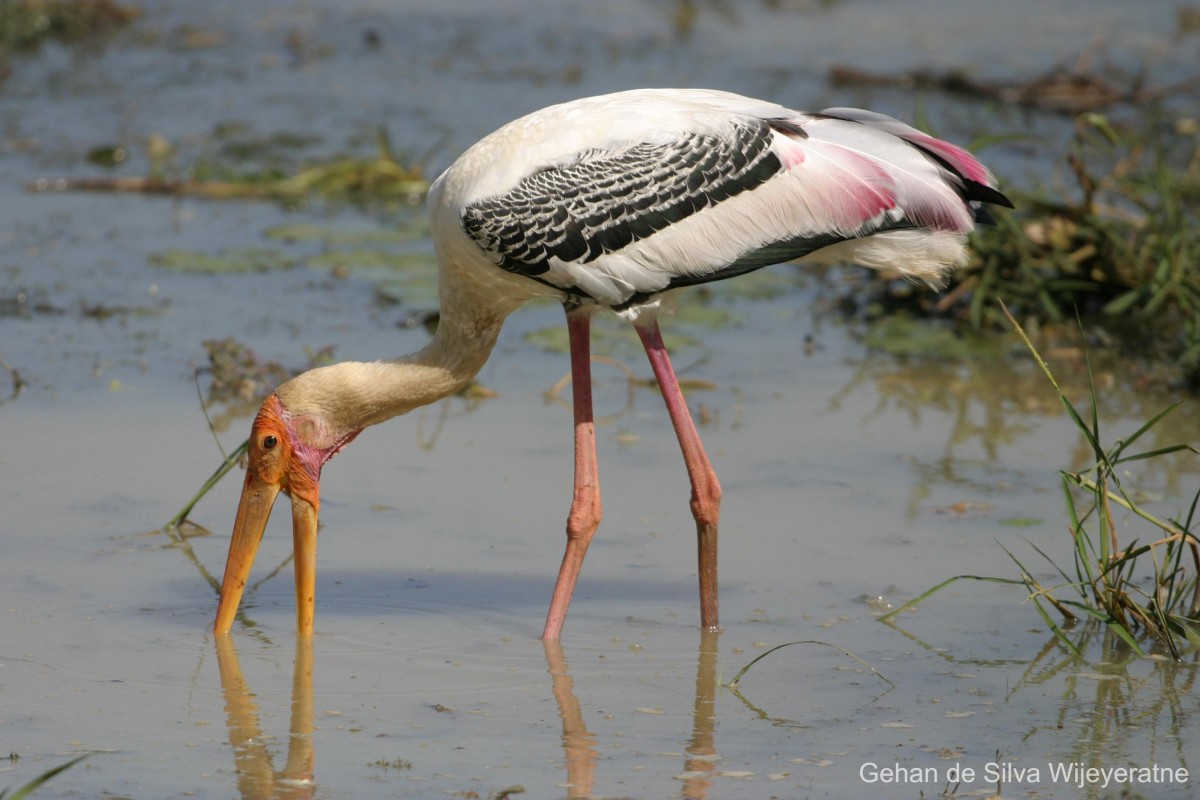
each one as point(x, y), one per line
point(853, 480)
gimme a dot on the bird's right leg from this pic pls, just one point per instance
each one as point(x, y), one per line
point(584, 516)
point(706, 489)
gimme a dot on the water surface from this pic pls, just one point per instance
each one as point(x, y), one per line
point(853, 479)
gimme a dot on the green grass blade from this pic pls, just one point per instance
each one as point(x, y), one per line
point(926, 594)
point(1121, 500)
point(1085, 553)
point(1093, 441)
point(1041, 553)
point(1125, 635)
point(225, 466)
point(1036, 594)
point(1094, 438)
point(1038, 590)
point(1082, 579)
point(1058, 632)
point(1162, 451)
point(1160, 611)
point(30, 787)
point(736, 678)
point(1147, 426)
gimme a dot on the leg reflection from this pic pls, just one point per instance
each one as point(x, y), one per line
point(578, 743)
point(702, 750)
point(256, 776)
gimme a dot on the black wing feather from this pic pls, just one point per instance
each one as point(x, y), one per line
point(602, 201)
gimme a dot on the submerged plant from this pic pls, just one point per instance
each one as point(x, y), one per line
point(1104, 584)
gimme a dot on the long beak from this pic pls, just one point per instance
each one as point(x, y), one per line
point(304, 550)
point(253, 511)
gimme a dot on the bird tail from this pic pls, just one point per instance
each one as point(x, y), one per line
point(978, 184)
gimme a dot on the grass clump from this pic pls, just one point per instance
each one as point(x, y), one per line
point(1123, 253)
point(1118, 244)
point(1107, 582)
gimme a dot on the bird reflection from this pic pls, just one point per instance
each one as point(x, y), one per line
point(579, 745)
point(257, 778)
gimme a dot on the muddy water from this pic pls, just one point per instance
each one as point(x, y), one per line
point(853, 480)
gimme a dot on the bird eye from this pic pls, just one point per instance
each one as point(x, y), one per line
point(269, 441)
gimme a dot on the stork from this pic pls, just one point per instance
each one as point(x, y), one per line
point(614, 202)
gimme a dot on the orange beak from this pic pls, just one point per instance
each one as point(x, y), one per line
point(272, 468)
point(254, 510)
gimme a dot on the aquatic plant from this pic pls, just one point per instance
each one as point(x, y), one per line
point(380, 178)
point(1105, 584)
point(1106, 579)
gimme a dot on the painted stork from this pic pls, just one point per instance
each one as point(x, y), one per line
point(614, 202)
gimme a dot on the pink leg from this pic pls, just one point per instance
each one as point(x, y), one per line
point(584, 516)
point(706, 490)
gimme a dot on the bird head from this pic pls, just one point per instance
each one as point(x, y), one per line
point(285, 452)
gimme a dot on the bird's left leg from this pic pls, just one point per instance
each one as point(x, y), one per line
point(584, 516)
point(706, 489)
